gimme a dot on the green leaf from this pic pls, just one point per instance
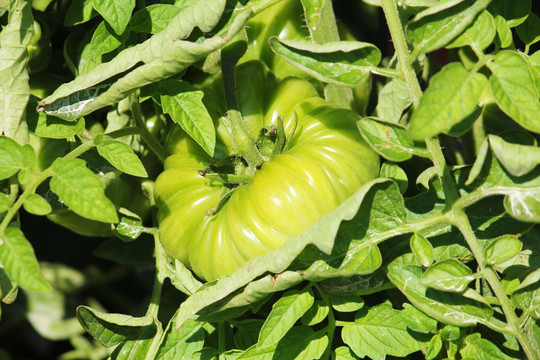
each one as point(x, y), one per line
point(130, 226)
point(514, 89)
point(116, 13)
point(388, 139)
point(12, 157)
point(5, 204)
point(380, 331)
point(19, 261)
point(285, 312)
point(479, 35)
point(81, 190)
point(452, 95)
point(14, 88)
point(503, 248)
point(153, 18)
point(347, 302)
point(393, 171)
point(422, 249)
point(78, 12)
point(434, 347)
point(524, 205)
point(316, 313)
point(448, 275)
point(345, 63)
point(51, 127)
point(446, 307)
point(417, 320)
point(247, 332)
point(504, 33)
point(529, 30)
point(120, 156)
point(528, 300)
point(394, 98)
point(112, 329)
point(477, 348)
point(181, 343)
point(184, 103)
point(531, 279)
point(345, 353)
point(103, 42)
point(36, 205)
point(438, 25)
point(300, 343)
point(514, 12)
point(518, 159)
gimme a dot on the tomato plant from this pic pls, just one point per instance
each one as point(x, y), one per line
point(289, 179)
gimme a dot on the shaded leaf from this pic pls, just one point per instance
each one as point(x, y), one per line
point(394, 98)
point(380, 331)
point(81, 190)
point(153, 18)
point(19, 261)
point(417, 320)
point(316, 313)
point(78, 12)
point(390, 140)
point(112, 329)
point(514, 13)
point(181, 343)
point(345, 63)
point(51, 127)
point(529, 30)
point(116, 13)
point(394, 172)
point(285, 312)
point(300, 343)
point(103, 41)
point(434, 347)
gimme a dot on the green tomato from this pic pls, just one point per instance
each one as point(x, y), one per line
point(325, 162)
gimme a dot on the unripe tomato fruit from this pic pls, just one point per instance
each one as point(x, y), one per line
point(325, 163)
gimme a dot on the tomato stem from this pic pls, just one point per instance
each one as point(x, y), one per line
point(243, 142)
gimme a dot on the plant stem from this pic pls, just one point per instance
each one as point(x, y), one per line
point(331, 327)
point(321, 23)
point(460, 220)
point(403, 55)
point(148, 138)
point(243, 142)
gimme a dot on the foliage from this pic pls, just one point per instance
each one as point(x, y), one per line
point(437, 258)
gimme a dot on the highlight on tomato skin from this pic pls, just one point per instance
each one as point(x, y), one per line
point(215, 225)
